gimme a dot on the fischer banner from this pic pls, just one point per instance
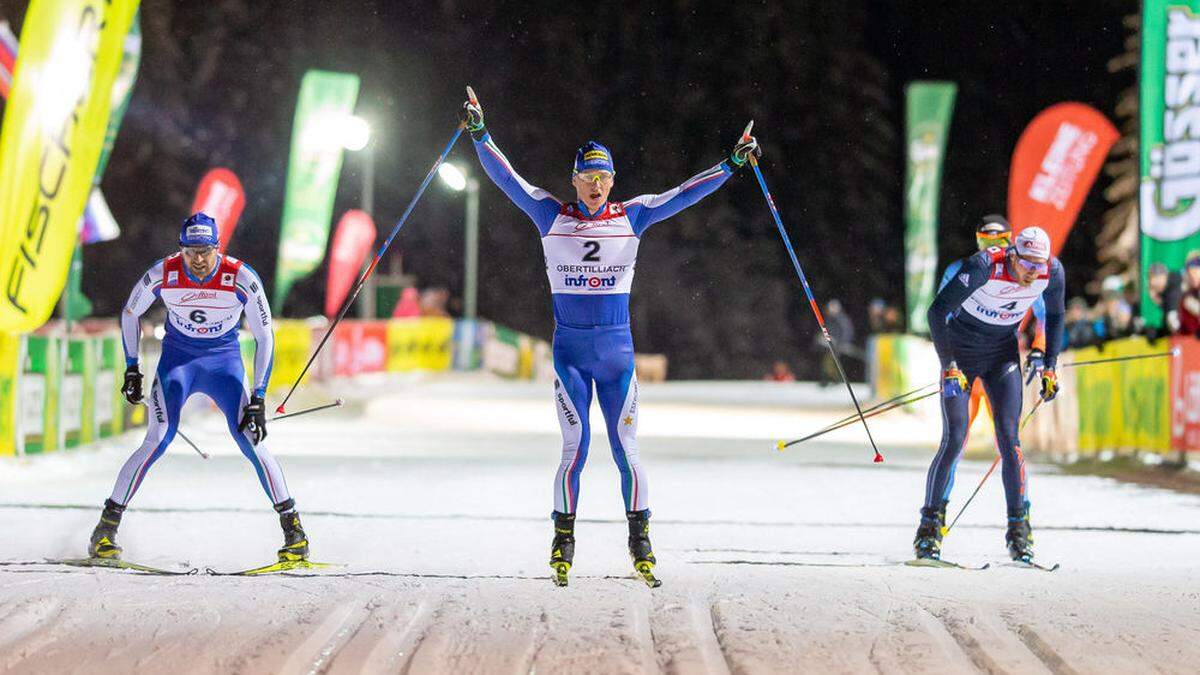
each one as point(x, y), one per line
point(220, 195)
point(353, 240)
point(1054, 166)
point(53, 134)
point(313, 167)
point(930, 105)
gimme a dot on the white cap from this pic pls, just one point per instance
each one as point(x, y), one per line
point(1033, 242)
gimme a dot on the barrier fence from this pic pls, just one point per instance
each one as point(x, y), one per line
point(1146, 405)
point(58, 392)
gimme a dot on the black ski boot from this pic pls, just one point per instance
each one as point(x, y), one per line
point(1019, 537)
point(562, 549)
point(295, 542)
point(639, 546)
point(104, 538)
point(928, 542)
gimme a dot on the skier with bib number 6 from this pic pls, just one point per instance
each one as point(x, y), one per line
point(590, 246)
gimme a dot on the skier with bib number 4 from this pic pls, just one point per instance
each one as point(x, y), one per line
point(590, 246)
point(205, 294)
point(973, 322)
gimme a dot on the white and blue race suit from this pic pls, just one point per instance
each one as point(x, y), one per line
point(973, 322)
point(590, 259)
point(200, 354)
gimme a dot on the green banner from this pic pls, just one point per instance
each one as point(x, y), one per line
point(930, 105)
point(1170, 141)
point(40, 382)
point(326, 99)
point(110, 359)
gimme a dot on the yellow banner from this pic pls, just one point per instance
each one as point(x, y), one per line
point(293, 346)
point(54, 124)
point(1123, 405)
point(420, 344)
point(10, 368)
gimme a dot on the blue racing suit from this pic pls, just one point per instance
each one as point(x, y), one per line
point(590, 259)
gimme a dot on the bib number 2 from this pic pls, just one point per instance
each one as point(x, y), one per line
point(593, 251)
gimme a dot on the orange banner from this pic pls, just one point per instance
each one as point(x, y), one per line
point(1056, 161)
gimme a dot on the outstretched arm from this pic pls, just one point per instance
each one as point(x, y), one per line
point(645, 210)
point(539, 205)
point(144, 293)
point(258, 319)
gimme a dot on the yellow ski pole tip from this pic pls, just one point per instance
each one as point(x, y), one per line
point(944, 530)
point(780, 445)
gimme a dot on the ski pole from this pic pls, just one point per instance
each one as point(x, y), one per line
point(992, 468)
point(812, 303)
point(877, 406)
point(179, 432)
point(336, 404)
point(781, 445)
point(366, 274)
point(1170, 352)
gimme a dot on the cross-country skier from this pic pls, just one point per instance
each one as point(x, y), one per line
point(205, 294)
point(994, 230)
point(590, 246)
point(973, 322)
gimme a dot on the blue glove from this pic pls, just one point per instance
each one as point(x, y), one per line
point(1035, 363)
point(954, 383)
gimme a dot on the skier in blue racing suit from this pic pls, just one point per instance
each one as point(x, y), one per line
point(590, 247)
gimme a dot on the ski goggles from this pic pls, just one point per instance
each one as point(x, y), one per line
point(989, 239)
point(198, 251)
point(1039, 266)
point(597, 177)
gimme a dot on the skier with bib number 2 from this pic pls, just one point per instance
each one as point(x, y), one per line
point(590, 246)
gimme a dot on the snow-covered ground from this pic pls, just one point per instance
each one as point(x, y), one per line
point(435, 493)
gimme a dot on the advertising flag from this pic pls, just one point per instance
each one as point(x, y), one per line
point(351, 243)
point(220, 195)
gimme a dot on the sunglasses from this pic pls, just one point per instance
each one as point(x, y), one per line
point(987, 241)
point(595, 176)
point(199, 251)
point(1033, 266)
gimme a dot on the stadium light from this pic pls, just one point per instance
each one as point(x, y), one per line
point(452, 176)
point(355, 133)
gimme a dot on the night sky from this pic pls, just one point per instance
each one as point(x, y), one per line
point(667, 87)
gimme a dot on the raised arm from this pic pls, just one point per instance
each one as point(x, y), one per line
point(144, 293)
point(541, 206)
point(645, 210)
point(258, 320)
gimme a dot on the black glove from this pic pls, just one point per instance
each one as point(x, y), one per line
point(741, 152)
point(254, 417)
point(133, 385)
point(472, 116)
point(1035, 363)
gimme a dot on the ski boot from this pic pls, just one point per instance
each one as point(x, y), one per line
point(639, 546)
point(562, 549)
point(928, 542)
point(295, 542)
point(104, 538)
point(1019, 536)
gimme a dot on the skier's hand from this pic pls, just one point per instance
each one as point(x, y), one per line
point(954, 382)
point(254, 418)
point(472, 115)
point(1035, 363)
point(133, 385)
point(746, 144)
point(1049, 384)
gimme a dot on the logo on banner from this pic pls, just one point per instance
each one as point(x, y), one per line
point(1064, 161)
point(1169, 199)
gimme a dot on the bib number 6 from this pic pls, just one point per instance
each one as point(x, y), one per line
point(593, 251)
point(198, 316)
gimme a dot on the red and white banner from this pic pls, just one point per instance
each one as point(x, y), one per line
point(360, 347)
point(1056, 161)
point(220, 195)
point(351, 242)
point(1185, 394)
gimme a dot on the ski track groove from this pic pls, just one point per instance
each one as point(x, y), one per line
point(316, 654)
point(643, 629)
point(416, 630)
point(1043, 651)
point(937, 629)
point(714, 629)
point(969, 644)
point(537, 640)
